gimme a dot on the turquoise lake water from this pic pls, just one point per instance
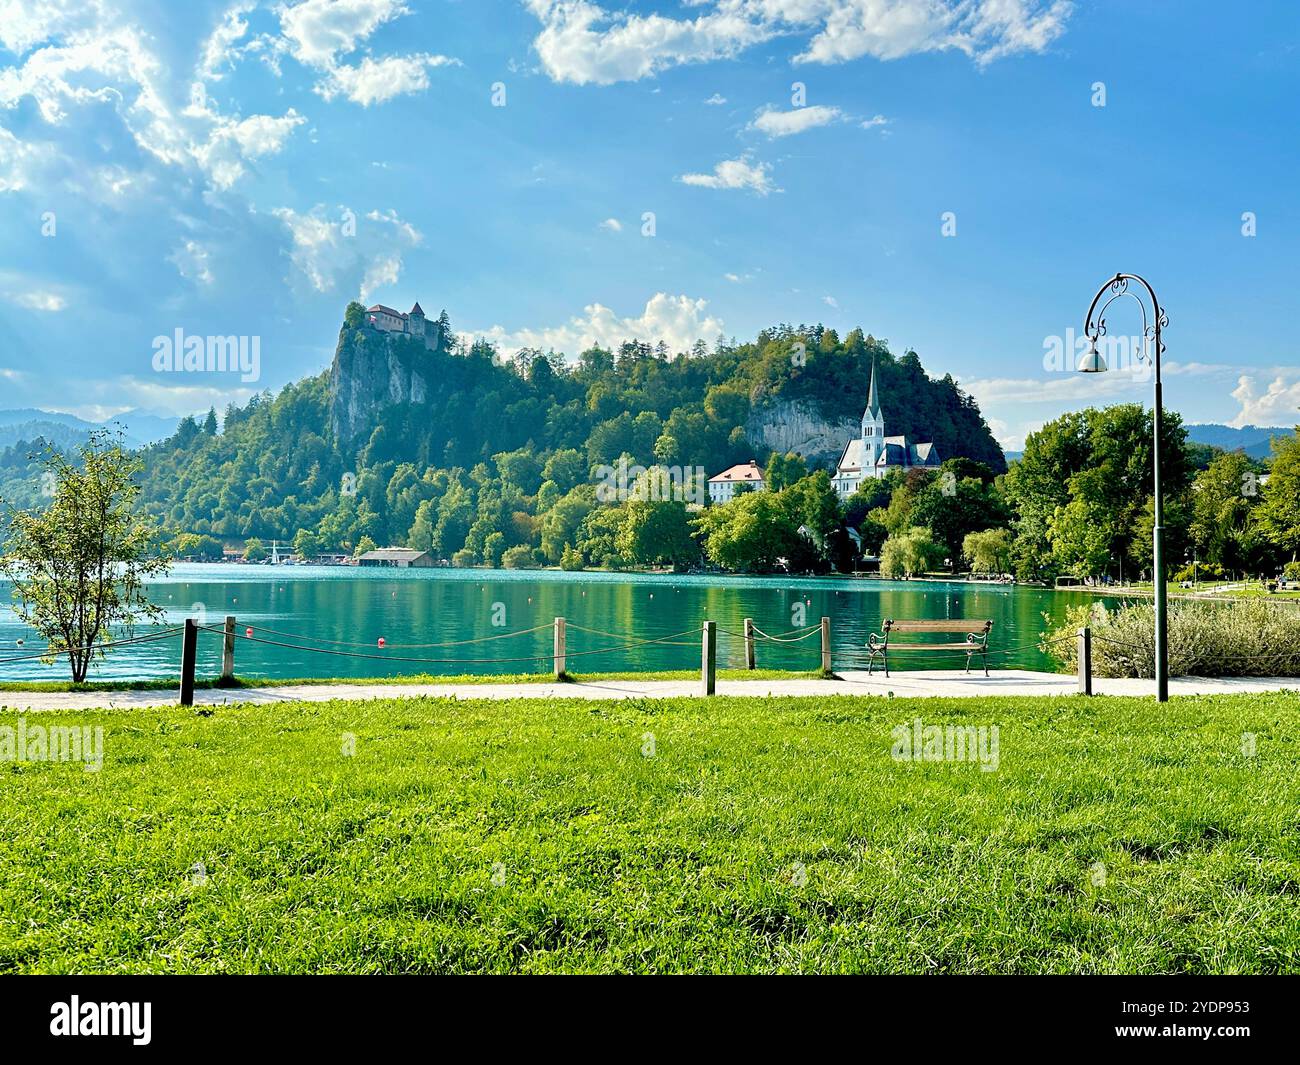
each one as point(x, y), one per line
point(347, 610)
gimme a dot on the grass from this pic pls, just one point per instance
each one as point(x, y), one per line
point(173, 683)
point(763, 835)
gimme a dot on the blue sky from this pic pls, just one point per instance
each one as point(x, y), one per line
point(241, 168)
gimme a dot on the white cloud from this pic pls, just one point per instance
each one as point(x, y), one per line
point(191, 261)
point(318, 33)
point(329, 250)
point(716, 100)
point(18, 161)
point(831, 302)
point(612, 224)
point(1276, 402)
point(36, 300)
point(676, 320)
point(584, 43)
point(581, 42)
point(874, 121)
point(735, 174)
point(375, 81)
point(219, 49)
point(785, 123)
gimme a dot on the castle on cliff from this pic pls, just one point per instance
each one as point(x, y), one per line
point(414, 324)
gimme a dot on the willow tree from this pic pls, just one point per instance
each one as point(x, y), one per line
point(79, 565)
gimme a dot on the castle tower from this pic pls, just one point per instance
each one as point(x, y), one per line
point(416, 318)
point(873, 425)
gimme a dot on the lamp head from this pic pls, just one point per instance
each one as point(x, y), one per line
point(1092, 360)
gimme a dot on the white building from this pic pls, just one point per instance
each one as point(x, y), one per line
point(722, 488)
point(872, 454)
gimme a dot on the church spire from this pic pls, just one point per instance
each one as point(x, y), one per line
point(873, 403)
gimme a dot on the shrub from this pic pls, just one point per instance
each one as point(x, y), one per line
point(571, 558)
point(1291, 571)
point(1244, 638)
point(519, 557)
point(464, 559)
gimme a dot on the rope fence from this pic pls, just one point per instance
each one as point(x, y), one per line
point(704, 636)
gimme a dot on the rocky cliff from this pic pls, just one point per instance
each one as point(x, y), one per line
point(372, 369)
point(796, 425)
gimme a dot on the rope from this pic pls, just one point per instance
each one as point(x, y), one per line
point(97, 648)
point(811, 629)
point(447, 661)
point(406, 646)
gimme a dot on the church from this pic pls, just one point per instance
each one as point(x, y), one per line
point(872, 454)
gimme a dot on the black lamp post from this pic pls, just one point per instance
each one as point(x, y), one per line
point(1094, 362)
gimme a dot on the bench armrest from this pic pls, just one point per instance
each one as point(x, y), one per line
point(877, 642)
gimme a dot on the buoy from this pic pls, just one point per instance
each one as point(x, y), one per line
point(248, 632)
point(382, 641)
point(20, 642)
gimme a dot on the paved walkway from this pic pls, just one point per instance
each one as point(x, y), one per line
point(929, 683)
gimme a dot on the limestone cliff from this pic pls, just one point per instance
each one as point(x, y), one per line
point(785, 426)
point(373, 369)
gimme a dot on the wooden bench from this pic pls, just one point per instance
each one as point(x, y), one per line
point(976, 642)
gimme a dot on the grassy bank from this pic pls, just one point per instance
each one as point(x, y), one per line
point(745, 834)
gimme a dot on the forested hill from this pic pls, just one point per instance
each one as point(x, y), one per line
point(355, 451)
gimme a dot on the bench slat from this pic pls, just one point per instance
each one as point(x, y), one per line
point(958, 625)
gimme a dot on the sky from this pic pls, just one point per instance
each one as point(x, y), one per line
point(955, 176)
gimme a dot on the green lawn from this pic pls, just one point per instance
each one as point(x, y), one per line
point(761, 836)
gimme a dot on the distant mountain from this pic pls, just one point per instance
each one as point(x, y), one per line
point(1252, 439)
point(67, 430)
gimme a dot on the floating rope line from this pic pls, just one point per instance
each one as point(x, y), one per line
point(811, 629)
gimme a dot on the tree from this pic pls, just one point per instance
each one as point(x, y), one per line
point(306, 544)
point(1279, 513)
point(79, 566)
point(657, 532)
point(210, 422)
point(519, 557)
point(750, 533)
point(784, 470)
point(913, 551)
point(254, 550)
point(988, 551)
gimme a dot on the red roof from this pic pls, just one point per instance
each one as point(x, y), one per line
point(416, 310)
point(745, 471)
point(386, 310)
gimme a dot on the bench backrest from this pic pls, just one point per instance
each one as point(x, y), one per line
point(947, 625)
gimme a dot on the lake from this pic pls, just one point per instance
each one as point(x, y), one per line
point(348, 610)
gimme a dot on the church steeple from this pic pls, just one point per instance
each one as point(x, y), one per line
point(873, 423)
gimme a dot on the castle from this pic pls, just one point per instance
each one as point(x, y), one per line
point(873, 454)
point(415, 324)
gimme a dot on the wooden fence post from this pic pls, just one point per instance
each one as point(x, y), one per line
point(228, 652)
point(189, 650)
point(709, 659)
point(1085, 661)
point(826, 645)
point(560, 640)
point(749, 643)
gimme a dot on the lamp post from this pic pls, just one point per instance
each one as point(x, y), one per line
point(1094, 362)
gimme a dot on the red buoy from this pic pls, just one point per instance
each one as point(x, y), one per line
point(248, 632)
point(382, 641)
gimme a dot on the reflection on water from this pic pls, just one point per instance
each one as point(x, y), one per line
point(348, 610)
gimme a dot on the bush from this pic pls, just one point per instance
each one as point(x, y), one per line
point(1202, 571)
point(1291, 571)
point(464, 559)
point(519, 557)
point(1245, 638)
point(571, 559)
